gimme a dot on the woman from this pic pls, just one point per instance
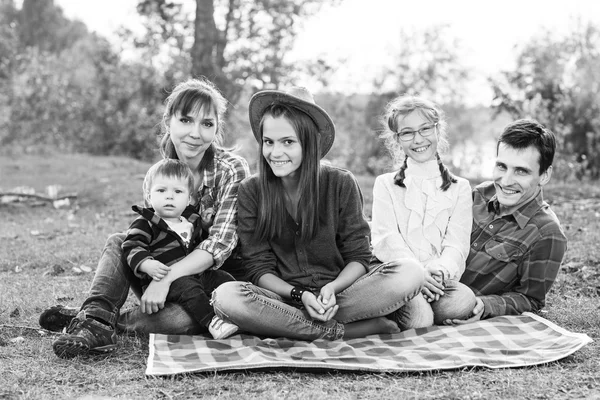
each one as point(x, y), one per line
point(304, 238)
point(422, 212)
point(192, 130)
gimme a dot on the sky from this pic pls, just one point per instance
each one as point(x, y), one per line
point(364, 33)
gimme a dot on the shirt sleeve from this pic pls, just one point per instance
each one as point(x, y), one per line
point(258, 258)
point(388, 242)
point(136, 246)
point(222, 235)
point(353, 228)
point(456, 241)
point(537, 273)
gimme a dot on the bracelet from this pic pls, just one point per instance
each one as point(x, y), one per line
point(296, 294)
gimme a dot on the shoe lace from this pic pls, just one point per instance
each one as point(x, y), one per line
point(75, 325)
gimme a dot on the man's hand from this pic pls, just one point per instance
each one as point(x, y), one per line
point(154, 297)
point(476, 316)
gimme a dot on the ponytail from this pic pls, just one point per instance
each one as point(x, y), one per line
point(447, 177)
point(399, 178)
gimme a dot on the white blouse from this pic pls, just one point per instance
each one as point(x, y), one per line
point(421, 221)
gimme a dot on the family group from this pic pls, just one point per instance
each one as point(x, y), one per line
point(288, 251)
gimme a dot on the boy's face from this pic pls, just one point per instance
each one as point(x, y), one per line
point(169, 196)
point(517, 175)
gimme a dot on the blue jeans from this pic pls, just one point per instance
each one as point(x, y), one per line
point(378, 293)
point(109, 292)
point(457, 302)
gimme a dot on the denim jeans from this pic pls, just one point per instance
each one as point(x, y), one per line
point(110, 289)
point(378, 293)
point(457, 302)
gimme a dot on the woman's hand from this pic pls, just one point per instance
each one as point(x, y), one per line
point(327, 297)
point(316, 309)
point(153, 299)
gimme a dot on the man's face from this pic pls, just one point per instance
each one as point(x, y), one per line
point(517, 175)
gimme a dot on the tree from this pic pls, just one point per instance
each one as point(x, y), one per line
point(557, 81)
point(426, 63)
point(236, 42)
point(43, 25)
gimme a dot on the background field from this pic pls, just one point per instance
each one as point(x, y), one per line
point(40, 246)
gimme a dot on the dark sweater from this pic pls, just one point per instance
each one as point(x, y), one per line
point(342, 237)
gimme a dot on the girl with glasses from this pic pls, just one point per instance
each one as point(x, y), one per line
point(431, 209)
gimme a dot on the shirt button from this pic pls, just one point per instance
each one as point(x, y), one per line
point(475, 244)
point(491, 226)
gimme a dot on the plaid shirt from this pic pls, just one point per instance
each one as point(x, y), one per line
point(219, 190)
point(513, 259)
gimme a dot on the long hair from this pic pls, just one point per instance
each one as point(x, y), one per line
point(399, 108)
point(272, 211)
point(193, 96)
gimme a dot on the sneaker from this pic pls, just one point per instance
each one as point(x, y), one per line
point(85, 336)
point(57, 318)
point(220, 329)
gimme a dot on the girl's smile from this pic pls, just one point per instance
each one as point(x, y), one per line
point(281, 147)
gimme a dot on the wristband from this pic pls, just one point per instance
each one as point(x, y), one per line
point(296, 294)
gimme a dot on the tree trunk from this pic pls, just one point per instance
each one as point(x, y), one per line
point(209, 48)
point(205, 42)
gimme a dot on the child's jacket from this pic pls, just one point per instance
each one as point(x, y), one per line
point(149, 237)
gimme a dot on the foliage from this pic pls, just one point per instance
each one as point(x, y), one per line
point(426, 63)
point(43, 25)
point(237, 43)
point(557, 81)
point(83, 99)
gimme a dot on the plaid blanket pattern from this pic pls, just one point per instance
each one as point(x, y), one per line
point(500, 342)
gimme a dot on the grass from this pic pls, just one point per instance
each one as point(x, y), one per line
point(41, 245)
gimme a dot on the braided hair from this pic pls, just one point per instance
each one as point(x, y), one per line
point(399, 108)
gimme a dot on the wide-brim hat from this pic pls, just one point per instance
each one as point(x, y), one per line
point(299, 98)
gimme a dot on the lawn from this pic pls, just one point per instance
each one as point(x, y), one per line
point(47, 256)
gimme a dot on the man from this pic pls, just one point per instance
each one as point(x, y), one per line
point(517, 244)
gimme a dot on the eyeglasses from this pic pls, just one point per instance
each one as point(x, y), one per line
point(407, 136)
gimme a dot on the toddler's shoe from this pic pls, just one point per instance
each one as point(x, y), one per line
point(57, 318)
point(85, 336)
point(220, 329)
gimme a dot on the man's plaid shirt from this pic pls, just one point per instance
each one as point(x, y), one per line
point(514, 259)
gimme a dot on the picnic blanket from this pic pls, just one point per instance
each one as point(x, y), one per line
point(500, 342)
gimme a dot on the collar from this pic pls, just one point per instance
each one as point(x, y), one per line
point(428, 169)
point(522, 214)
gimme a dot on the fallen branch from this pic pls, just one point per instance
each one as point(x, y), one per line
point(31, 328)
point(39, 197)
